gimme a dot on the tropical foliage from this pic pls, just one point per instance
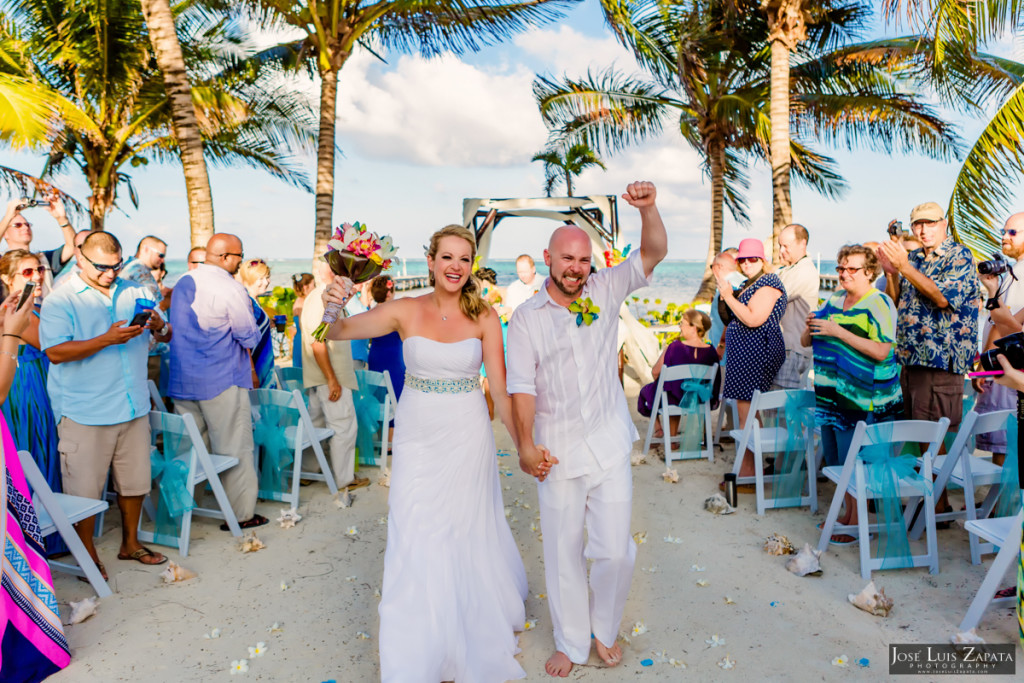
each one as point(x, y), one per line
point(95, 98)
point(564, 165)
point(707, 70)
point(430, 27)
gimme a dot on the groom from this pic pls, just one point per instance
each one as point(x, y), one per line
point(563, 378)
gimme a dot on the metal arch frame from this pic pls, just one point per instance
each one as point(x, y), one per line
point(482, 217)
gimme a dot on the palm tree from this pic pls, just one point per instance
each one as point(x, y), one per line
point(109, 105)
point(709, 68)
point(950, 36)
point(164, 38)
point(333, 29)
point(576, 159)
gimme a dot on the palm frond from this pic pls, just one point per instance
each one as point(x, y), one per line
point(19, 183)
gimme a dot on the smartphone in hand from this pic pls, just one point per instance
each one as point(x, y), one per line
point(26, 294)
point(140, 318)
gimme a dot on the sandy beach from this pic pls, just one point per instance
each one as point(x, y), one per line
point(780, 627)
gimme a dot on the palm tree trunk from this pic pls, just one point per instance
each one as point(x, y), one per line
point(568, 183)
point(782, 210)
point(325, 162)
point(716, 160)
point(100, 202)
point(169, 58)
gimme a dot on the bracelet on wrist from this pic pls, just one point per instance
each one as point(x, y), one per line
point(64, 225)
point(12, 356)
point(16, 336)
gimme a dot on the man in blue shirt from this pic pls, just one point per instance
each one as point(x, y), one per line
point(211, 368)
point(104, 400)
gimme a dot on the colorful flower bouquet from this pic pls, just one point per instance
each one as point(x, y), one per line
point(358, 254)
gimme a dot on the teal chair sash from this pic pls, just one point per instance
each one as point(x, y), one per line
point(791, 446)
point(277, 453)
point(1009, 501)
point(170, 467)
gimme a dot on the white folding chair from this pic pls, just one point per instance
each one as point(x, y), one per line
point(56, 513)
point(378, 387)
point(663, 409)
point(851, 478)
point(202, 467)
point(289, 379)
point(768, 408)
point(1004, 532)
point(734, 412)
point(960, 468)
point(154, 396)
point(299, 434)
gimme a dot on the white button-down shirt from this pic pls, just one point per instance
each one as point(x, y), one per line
point(581, 413)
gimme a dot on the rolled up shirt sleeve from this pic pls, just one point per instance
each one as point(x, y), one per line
point(521, 363)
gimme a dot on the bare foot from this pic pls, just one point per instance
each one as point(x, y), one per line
point(558, 665)
point(611, 656)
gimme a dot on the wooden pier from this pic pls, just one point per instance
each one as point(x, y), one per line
point(829, 283)
point(404, 284)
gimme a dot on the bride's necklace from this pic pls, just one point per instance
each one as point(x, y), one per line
point(443, 316)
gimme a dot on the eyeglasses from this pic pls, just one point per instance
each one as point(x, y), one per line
point(747, 259)
point(843, 269)
point(196, 262)
point(21, 224)
point(227, 253)
point(102, 267)
point(1011, 232)
point(27, 272)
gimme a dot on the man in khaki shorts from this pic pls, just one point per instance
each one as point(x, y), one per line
point(104, 401)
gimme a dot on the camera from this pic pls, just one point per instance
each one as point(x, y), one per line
point(1011, 346)
point(997, 265)
point(32, 203)
point(895, 228)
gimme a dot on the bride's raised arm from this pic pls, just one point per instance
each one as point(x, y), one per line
point(377, 322)
point(494, 363)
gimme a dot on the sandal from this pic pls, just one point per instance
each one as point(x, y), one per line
point(833, 541)
point(1009, 592)
point(251, 523)
point(141, 553)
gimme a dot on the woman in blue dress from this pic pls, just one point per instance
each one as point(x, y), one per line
point(386, 351)
point(28, 410)
point(254, 275)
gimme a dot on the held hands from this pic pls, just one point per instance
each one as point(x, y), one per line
point(12, 319)
point(537, 461)
point(640, 194)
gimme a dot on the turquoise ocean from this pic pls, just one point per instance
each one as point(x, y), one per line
point(674, 281)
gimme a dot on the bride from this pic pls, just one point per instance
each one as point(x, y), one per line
point(454, 583)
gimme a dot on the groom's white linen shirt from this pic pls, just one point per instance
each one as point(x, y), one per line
point(581, 413)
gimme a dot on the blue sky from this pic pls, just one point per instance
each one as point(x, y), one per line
point(419, 136)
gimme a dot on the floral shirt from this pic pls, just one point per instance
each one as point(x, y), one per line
point(943, 338)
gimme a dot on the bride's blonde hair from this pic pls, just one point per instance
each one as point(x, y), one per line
point(471, 302)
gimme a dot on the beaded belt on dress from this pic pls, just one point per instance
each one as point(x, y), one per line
point(442, 386)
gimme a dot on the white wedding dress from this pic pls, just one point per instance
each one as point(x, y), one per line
point(454, 583)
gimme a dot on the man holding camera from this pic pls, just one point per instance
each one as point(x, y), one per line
point(937, 294)
point(1005, 305)
point(16, 229)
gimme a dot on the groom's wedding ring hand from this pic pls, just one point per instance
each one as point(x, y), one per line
point(537, 461)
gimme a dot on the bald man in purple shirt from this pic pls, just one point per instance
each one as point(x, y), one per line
point(211, 367)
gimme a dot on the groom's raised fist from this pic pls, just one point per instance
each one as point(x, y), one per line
point(640, 194)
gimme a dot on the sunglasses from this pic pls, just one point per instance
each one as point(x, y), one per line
point(1011, 232)
point(843, 269)
point(196, 262)
point(228, 253)
point(28, 272)
point(101, 267)
point(747, 259)
point(21, 224)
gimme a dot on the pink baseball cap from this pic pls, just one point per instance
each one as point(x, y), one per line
point(751, 248)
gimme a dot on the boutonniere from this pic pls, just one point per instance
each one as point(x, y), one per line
point(586, 311)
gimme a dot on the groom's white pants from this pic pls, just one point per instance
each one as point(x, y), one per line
point(601, 502)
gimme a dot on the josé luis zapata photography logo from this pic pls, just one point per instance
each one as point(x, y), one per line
point(943, 659)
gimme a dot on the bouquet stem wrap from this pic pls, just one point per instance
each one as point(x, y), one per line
point(354, 267)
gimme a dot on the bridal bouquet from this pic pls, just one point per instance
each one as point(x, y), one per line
point(358, 254)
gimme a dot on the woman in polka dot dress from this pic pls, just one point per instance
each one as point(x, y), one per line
point(753, 339)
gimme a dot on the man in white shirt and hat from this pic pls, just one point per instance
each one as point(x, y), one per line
point(575, 431)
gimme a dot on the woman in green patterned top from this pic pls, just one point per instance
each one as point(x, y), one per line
point(856, 376)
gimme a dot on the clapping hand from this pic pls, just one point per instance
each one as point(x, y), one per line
point(640, 194)
point(720, 280)
point(892, 256)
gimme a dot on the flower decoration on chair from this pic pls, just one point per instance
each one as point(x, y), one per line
point(358, 254)
point(586, 311)
point(613, 257)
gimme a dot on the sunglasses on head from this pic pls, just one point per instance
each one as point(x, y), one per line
point(745, 259)
point(102, 267)
point(27, 272)
point(256, 262)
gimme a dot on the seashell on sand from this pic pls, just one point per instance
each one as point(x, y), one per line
point(671, 476)
point(385, 477)
point(250, 543)
point(175, 573)
point(638, 458)
point(83, 609)
point(872, 600)
point(968, 638)
point(344, 499)
point(288, 518)
point(805, 562)
point(718, 505)
point(777, 544)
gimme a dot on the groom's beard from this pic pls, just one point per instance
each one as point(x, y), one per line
point(566, 290)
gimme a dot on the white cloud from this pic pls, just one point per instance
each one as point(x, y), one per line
point(563, 50)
